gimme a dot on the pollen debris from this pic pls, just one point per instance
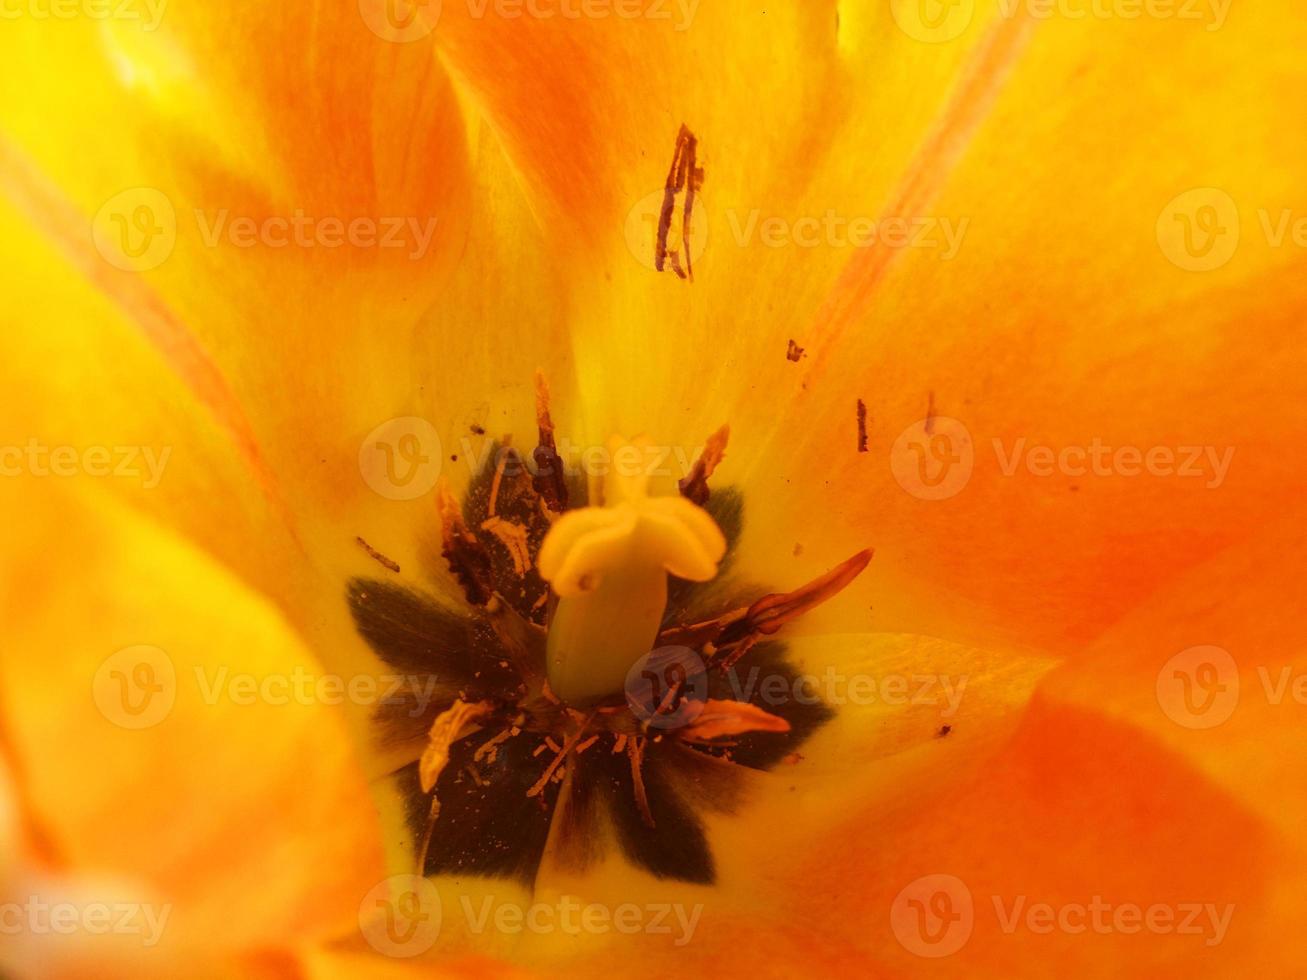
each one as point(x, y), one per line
point(377, 556)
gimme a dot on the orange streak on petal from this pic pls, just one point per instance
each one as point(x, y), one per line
point(69, 230)
point(32, 836)
point(980, 82)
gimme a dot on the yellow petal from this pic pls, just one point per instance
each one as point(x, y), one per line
point(157, 709)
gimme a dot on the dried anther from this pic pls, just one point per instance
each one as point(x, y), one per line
point(684, 178)
point(720, 718)
point(377, 556)
point(695, 484)
point(465, 554)
point(550, 481)
point(514, 538)
point(447, 729)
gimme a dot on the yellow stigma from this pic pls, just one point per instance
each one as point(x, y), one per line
point(609, 567)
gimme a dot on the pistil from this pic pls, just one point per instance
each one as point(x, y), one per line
point(608, 565)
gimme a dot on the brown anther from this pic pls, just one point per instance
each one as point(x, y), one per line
point(549, 481)
point(695, 485)
point(771, 612)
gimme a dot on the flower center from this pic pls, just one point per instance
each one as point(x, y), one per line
point(516, 738)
